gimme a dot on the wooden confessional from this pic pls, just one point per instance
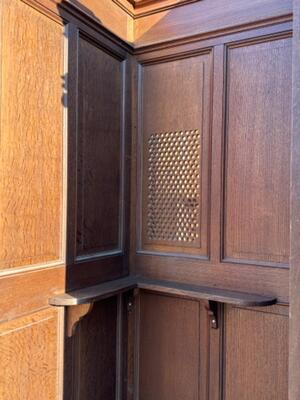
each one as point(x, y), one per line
point(150, 200)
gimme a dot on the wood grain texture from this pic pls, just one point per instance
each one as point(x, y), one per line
point(204, 17)
point(250, 277)
point(100, 151)
point(294, 327)
point(94, 293)
point(257, 175)
point(27, 292)
point(97, 122)
point(109, 289)
point(174, 170)
point(247, 278)
point(29, 357)
point(256, 361)
point(31, 137)
point(195, 292)
point(95, 353)
point(169, 350)
point(109, 15)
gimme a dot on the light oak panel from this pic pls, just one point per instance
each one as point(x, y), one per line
point(29, 357)
point(31, 137)
point(174, 102)
point(29, 291)
point(99, 169)
point(256, 354)
point(257, 180)
point(108, 14)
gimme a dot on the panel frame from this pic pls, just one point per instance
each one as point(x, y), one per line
point(83, 271)
point(119, 250)
point(60, 260)
point(146, 248)
point(233, 44)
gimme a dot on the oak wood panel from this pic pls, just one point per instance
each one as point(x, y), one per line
point(100, 151)
point(30, 357)
point(204, 17)
point(31, 137)
point(256, 360)
point(174, 101)
point(170, 348)
point(258, 107)
point(109, 15)
point(294, 327)
point(27, 292)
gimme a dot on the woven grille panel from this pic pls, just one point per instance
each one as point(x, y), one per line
point(174, 186)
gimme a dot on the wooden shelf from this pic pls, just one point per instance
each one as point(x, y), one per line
point(92, 294)
point(206, 293)
point(109, 289)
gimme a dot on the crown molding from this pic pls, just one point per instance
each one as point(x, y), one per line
point(141, 8)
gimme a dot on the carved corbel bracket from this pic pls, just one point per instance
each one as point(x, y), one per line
point(74, 315)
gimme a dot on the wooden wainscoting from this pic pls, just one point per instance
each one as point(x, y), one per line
point(256, 353)
point(32, 206)
point(31, 348)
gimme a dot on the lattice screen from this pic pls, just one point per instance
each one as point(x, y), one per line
point(174, 186)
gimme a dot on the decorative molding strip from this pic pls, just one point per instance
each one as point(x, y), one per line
point(268, 26)
point(99, 255)
point(31, 267)
point(141, 8)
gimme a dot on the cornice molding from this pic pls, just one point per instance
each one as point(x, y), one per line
point(141, 8)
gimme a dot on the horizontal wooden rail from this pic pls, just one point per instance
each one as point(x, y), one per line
point(108, 289)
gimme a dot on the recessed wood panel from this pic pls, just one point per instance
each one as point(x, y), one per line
point(256, 354)
point(95, 347)
point(29, 357)
point(31, 137)
point(174, 101)
point(99, 170)
point(257, 181)
point(169, 353)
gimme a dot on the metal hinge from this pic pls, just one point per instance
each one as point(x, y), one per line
point(130, 304)
point(212, 309)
